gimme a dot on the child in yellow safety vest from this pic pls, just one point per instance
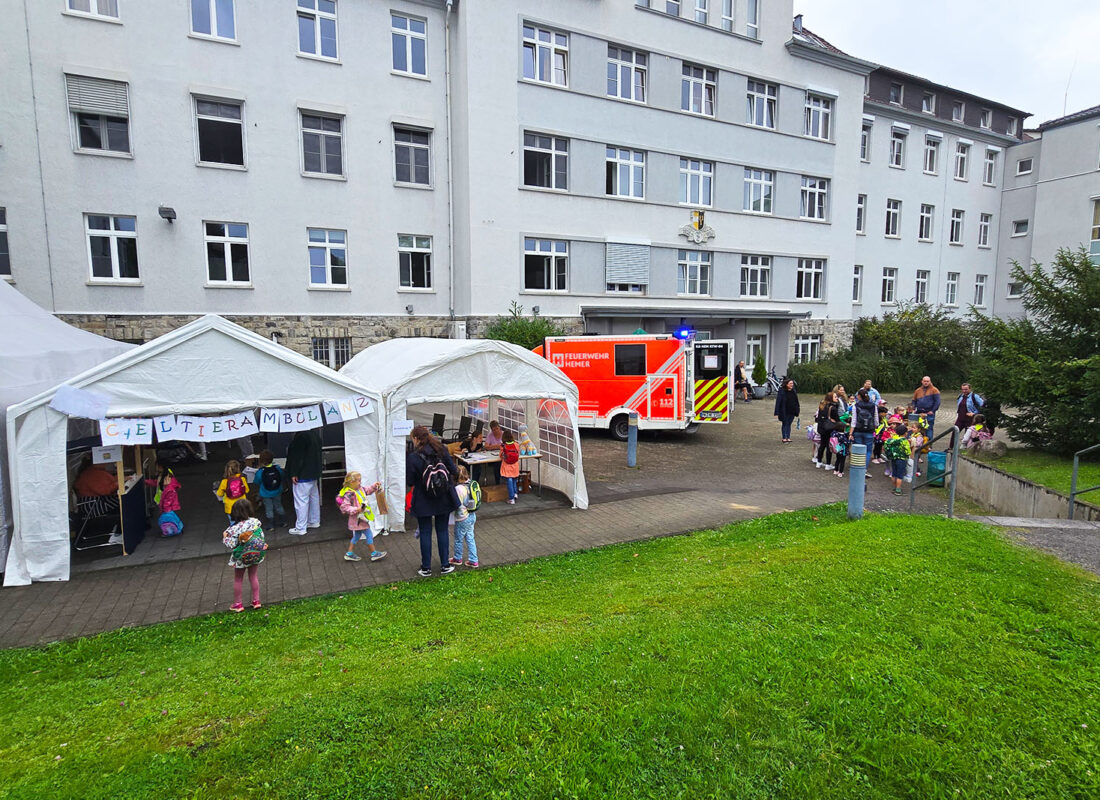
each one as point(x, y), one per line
point(352, 500)
point(976, 433)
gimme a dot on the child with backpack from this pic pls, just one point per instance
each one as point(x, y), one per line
point(167, 499)
point(352, 500)
point(509, 465)
point(898, 451)
point(976, 433)
point(232, 488)
point(469, 499)
point(245, 539)
point(272, 482)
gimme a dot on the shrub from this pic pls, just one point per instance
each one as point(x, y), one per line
point(527, 332)
point(759, 371)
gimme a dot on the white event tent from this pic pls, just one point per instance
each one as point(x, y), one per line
point(209, 366)
point(418, 376)
point(37, 351)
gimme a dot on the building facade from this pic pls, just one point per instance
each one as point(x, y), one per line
point(335, 172)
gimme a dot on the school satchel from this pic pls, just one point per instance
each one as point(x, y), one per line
point(234, 487)
point(865, 420)
point(509, 454)
point(436, 478)
point(270, 479)
point(473, 497)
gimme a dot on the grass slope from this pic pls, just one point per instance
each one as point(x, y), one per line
point(794, 656)
point(1050, 470)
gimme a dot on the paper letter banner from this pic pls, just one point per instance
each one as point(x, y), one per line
point(210, 429)
point(126, 431)
point(165, 428)
point(332, 412)
point(269, 420)
point(300, 419)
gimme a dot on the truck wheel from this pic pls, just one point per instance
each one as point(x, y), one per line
point(620, 428)
point(693, 427)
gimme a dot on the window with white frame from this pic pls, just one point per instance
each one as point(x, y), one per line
point(962, 158)
point(897, 148)
point(1012, 127)
point(810, 279)
point(328, 257)
point(317, 28)
point(989, 168)
point(545, 161)
point(861, 214)
point(958, 111)
point(759, 187)
point(626, 74)
point(1023, 166)
point(893, 217)
point(414, 261)
point(696, 179)
point(409, 40)
point(951, 289)
point(1020, 227)
point(956, 233)
point(979, 290)
point(857, 283)
point(545, 264)
point(693, 273)
point(865, 142)
point(112, 247)
point(761, 100)
point(1015, 289)
point(332, 351)
point(625, 172)
point(95, 8)
point(985, 222)
point(100, 111)
point(626, 268)
point(545, 55)
point(698, 86)
point(756, 345)
point(702, 11)
point(927, 220)
point(756, 272)
point(672, 7)
point(986, 120)
point(897, 93)
point(815, 198)
point(220, 128)
point(412, 151)
point(322, 144)
point(226, 253)
point(752, 19)
point(928, 103)
point(807, 347)
point(727, 15)
point(920, 295)
point(931, 155)
point(1094, 243)
point(5, 257)
point(889, 284)
point(817, 122)
point(214, 18)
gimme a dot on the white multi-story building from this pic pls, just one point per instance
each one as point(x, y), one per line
point(331, 172)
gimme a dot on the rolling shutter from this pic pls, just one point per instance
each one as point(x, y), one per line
point(627, 263)
point(97, 96)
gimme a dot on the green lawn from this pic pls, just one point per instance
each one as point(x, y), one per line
point(1047, 469)
point(797, 656)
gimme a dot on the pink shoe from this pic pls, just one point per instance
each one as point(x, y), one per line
point(236, 608)
point(456, 561)
point(472, 564)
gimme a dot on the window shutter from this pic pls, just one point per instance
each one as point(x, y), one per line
point(97, 96)
point(627, 263)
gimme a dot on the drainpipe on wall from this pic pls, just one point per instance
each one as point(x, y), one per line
point(38, 151)
point(456, 329)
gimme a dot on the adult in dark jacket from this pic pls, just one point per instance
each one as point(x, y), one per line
point(864, 421)
point(786, 407)
point(303, 467)
point(426, 507)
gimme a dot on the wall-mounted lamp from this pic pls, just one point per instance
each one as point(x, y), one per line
point(409, 309)
point(535, 310)
point(167, 214)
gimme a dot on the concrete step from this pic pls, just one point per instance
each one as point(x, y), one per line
point(1030, 522)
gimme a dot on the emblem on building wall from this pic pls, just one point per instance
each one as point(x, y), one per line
point(697, 231)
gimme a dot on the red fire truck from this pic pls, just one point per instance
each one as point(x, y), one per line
point(673, 384)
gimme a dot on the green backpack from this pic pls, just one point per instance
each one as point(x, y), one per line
point(473, 499)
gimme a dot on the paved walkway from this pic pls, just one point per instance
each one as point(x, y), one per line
point(683, 483)
point(1077, 541)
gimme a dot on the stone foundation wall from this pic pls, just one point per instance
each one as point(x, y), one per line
point(836, 334)
point(295, 332)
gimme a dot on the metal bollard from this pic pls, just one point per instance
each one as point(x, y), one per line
point(857, 471)
point(632, 440)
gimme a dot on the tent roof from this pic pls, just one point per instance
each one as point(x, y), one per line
point(396, 363)
point(210, 365)
point(39, 351)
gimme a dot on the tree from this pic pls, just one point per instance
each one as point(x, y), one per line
point(527, 332)
point(1046, 365)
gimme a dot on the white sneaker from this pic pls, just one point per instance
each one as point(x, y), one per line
point(297, 532)
point(814, 459)
point(314, 525)
point(819, 464)
point(829, 467)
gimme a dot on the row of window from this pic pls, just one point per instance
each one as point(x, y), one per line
point(101, 126)
point(930, 162)
point(889, 293)
point(926, 223)
point(317, 22)
point(546, 60)
point(718, 14)
point(958, 109)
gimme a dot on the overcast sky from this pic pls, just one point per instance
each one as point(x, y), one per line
point(1015, 52)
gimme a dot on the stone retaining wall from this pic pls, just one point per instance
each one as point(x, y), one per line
point(1013, 496)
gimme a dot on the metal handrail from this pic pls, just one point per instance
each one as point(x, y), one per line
point(951, 471)
point(1073, 481)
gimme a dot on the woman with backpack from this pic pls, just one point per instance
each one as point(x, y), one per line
point(430, 475)
point(864, 423)
point(786, 407)
point(827, 421)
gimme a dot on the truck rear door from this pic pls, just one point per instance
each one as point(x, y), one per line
point(713, 386)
